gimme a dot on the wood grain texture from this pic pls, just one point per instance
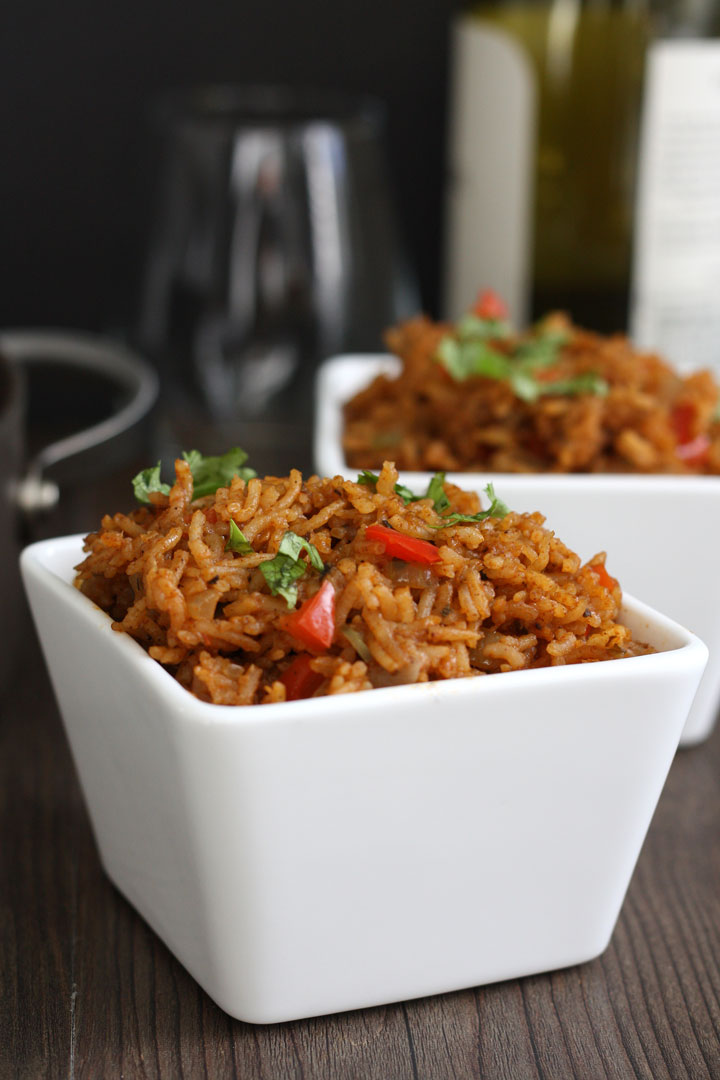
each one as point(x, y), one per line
point(89, 992)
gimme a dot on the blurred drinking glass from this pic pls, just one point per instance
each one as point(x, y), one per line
point(273, 245)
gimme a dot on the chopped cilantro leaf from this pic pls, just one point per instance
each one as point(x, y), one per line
point(467, 353)
point(370, 479)
point(293, 546)
point(497, 509)
point(585, 383)
point(441, 503)
point(237, 541)
point(541, 351)
point(472, 326)
point(525, 386)
point(211, 473)
point(448, 354)
point(436, 492)
point(147, 481)
point(406, 494)
point(465, 358)
point(208, 473)
point(286, 567)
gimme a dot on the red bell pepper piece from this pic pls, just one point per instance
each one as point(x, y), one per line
point(681, 418)
point(314, 622)
point(694, 452)
point(400, 546)
point(490, 306)
point(299, 679)
point(604, 577)
point(692, 449)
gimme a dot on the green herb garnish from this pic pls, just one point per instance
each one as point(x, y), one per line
point(370, 479)
point(525, 385)
point(588, 382)
point(435, 489)
point(208, 473)
point(473, 326)
point(467, 353)
point(436, 492)
point(211, 473)
point(147, 481)
point(465, 358)
point(406, 494)
point(286, 567)
point(237, 541)
point(541, 350)
point(497, 509)
point(441, 503)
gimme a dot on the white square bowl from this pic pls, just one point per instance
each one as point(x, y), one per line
point(661, 533)
point(342, 852)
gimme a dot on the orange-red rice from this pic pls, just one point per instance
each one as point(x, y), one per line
point(425, 420)
point(504, 595)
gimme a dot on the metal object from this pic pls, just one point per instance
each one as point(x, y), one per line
point(23, 348)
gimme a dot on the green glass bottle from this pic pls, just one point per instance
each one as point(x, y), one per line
point(564, 79)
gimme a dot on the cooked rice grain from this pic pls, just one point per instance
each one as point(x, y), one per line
point(425, 420)
point(504, 595)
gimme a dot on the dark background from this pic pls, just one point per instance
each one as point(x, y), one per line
point(76, 80)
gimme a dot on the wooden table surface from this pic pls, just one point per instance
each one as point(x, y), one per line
point(88, 991)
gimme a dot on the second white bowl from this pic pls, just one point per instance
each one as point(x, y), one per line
point(661, 533)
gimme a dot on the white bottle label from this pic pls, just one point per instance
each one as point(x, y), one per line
point(490, 164)
point(676, 272)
